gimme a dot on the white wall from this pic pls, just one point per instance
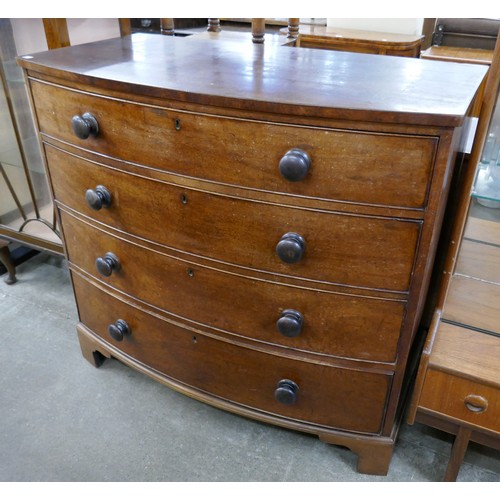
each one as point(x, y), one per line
point(92, 30)
point(404, 26)
point(29, 34)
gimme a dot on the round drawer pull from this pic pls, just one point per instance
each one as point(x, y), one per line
point(107, 264)
point(295, 165)
point(291, 248)
point(85, 126)
point(286, 392)
point(476, 403)
point(118, 330)
point(98, 198)
point(290, 323)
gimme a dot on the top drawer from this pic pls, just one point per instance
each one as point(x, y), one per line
point(361, 167)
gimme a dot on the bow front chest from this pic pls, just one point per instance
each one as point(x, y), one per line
point(254, 225)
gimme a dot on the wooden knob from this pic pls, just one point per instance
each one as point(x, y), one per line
point(85, 126)
point(290, 323)
point(118, 330)
point(291, 248)
point(107, 264)
point(286, 392)
point(295, 165)
point(476, 403)
point(98, 198)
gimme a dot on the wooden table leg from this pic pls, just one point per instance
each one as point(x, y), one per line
point(9, 265)
point(457, 453)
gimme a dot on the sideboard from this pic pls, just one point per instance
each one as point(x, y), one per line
point(254, 225)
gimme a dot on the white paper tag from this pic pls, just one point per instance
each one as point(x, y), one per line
point(468, 134)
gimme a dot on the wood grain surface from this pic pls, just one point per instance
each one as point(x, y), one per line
point(266, 77)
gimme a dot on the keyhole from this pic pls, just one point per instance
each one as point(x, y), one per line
point(190, 273)
point(177, 124)
point(184, 199)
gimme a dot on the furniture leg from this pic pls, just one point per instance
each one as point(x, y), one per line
point(89, 350)
point(457, 454)
point(374, 456)
point(9, 265)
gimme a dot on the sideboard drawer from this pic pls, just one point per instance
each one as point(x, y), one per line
point(463, 399)
point(361, 167)
point(326, 395)
point(318, 321)
point(372, 252)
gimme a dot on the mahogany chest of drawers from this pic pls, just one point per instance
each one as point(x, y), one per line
point(254, 226)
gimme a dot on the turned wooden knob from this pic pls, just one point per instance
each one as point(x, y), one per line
point(98, 198)
point(286, 392)
point(295, 165)
point(85, 126)
point(118, 330)
point(107, 264)
point(291, 248)
point(290, 323)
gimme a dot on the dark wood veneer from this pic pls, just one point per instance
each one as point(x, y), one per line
point(300, 81)
point(201, 362)
point(175, 192)
point(351, 166)
point(336, 324)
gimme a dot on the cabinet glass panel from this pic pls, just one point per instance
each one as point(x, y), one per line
point(26, 210)
point(474, 295)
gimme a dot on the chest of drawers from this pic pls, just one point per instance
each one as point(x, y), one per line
point(253, 226)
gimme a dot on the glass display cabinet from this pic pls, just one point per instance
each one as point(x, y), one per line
point(474, 296)
point(26, 210)
point(457, 388)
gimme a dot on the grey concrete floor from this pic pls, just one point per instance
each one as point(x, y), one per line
point(62, 420)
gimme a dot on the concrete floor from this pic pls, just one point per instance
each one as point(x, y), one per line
point(63, 420)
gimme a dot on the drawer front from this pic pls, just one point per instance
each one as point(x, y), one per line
point(326, 323)
point(463, 399)
point(329, 396)
point(336, 248)
point(382, 169)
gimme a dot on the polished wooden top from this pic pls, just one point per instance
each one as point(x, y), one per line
point(396, 39)
point(458, 54)
point(236, 73)
point(466, 353)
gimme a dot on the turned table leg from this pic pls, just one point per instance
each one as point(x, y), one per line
point(457, 453)
point(6, 260)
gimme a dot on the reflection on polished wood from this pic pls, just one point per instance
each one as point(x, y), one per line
point(288, 78)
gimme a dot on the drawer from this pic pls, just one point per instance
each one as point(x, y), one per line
point(373, 168)
point(335, 247)
point(463, 399)
point(308, 320)
point(329, 396)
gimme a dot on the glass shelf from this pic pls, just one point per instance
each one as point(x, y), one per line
point(486, 188)
point(473, 299)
